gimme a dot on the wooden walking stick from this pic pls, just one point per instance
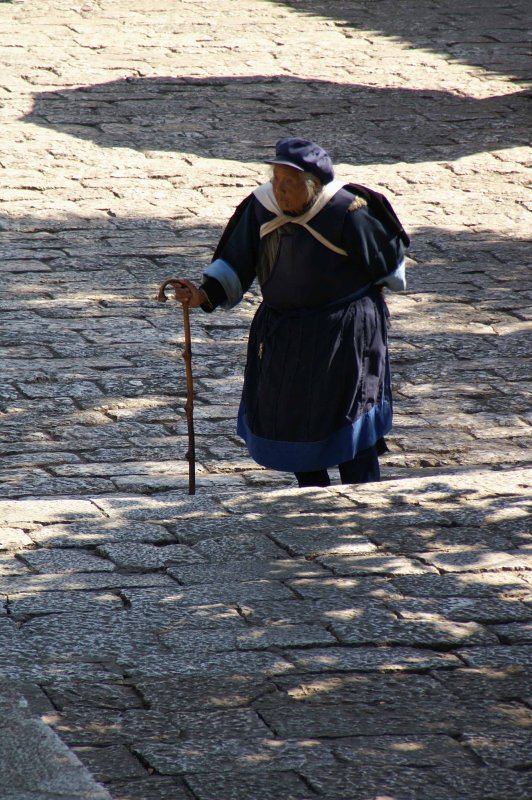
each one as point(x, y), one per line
point(189, 405)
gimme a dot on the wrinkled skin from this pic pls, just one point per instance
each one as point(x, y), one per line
point(290, 189)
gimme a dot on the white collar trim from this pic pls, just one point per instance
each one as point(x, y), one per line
point(266, 198)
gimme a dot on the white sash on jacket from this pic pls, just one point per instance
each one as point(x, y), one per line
point(266, 198)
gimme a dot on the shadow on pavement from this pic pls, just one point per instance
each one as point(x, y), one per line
point(93, 377)
point(356, 123)
point(250, 635)
point(233, 654)
point(487, 35)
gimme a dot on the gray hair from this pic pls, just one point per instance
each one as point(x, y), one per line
point(313, 184)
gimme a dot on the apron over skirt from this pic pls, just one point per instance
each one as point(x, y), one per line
point(317, 383)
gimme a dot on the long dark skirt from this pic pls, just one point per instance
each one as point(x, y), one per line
point(317, 384)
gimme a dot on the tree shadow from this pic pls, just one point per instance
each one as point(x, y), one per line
point(410, 667)
point(356, 123)
point(93, 374)
point(491, 37)
point(385, 626)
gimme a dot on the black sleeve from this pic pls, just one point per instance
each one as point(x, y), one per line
point(373, 246)
point(215, 293)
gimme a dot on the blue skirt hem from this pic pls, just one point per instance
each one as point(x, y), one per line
point(342, 445)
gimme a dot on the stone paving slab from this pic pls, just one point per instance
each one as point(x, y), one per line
point(258, 641)
point(53, 772)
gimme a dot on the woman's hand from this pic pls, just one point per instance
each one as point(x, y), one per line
point(186, 292)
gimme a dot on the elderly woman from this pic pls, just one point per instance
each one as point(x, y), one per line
point(317, 382)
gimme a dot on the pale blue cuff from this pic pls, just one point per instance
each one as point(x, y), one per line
point(226, 275)
point(396, 280)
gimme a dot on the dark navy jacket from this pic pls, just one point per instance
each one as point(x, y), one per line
point(308, 273)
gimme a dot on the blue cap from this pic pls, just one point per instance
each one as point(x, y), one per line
point(305, 156)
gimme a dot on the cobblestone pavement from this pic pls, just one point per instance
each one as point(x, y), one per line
point(257, 641)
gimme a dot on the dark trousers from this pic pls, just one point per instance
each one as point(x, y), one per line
point(363, 468)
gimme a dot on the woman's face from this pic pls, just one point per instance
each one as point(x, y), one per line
point(290, 189)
